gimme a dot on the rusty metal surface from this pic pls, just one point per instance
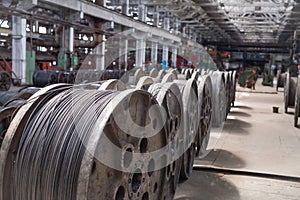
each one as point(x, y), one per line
point(132, 183)
point(169, 97)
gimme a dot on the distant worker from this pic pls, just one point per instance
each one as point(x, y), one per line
point(251, 80)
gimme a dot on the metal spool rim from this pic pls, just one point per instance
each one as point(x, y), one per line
point(189, 90)
point(204, 85)
point(169, 77)
point(219, 98)
point(93, 146)
point(174, 71)
point(286, 91)
point(112, 84)
point(161, 74)
point(144, 83)
point(13, 135)
point(162, 98)
point(153, 73)
point(297, 103)
point(233, 90)
point(195, 76)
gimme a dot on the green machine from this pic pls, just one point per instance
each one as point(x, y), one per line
point(62, 60)
point(30, 65)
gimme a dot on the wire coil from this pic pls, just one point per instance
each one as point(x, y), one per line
point(52, 145)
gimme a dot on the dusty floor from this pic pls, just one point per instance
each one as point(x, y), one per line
point(260, 149)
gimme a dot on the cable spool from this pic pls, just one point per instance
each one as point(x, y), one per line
point(135, 76)
point(290, 92)
point(188, 74)
point(144, 83)
point(219, 98)
point(190, 126)
point(42, 78)
point(124, 77)
point(169, 97)
point(7, 113)
point(195, 76)
point(70, 170)
point(153, 73)
point(113, 84)
point(183, 70)
point(233, 88)
point(27, 92)
point(133, 183)
point(228, 86)
point(297, 103)
point(205, 110)
point(12, 139)
point(203, 72)
point(7, 96)
point(174, 72)
point(5, 81)
point(169, 77)
point(281, 79)
point(161, 75)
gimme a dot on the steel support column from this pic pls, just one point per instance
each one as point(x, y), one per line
point(19, 47)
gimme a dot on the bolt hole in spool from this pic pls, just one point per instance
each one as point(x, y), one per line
point(144, 145)
point(127, 158)
point(155, 187)
point(151, 167)
point(145, 196)
point(120, 195)
point(136, 180)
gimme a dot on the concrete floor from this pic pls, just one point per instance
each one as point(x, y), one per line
point(256, 142)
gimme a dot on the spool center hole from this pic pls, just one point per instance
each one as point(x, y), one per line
point(136, 181)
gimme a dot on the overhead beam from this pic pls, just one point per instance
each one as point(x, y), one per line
point(106, 14)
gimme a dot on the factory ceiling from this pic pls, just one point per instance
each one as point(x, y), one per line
point(260, 23)
point(266, 25)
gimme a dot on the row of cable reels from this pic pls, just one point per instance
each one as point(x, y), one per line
point(111, 139)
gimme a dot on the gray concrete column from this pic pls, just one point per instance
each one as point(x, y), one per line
point(71, 39)
point(174, 56)
point(142, 11)
point(100, 52)
point(156, 17)
point(19, 48)
point(140, 53)
point(123, 52)
point(125, 7)
point(154, 52)
point(165, 55)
